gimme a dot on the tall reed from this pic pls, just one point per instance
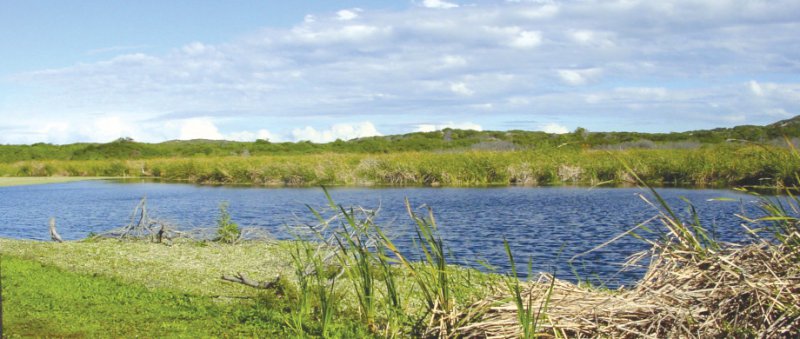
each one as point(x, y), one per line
point(528, 321)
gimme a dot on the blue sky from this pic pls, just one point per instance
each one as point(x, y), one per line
point(321, 70)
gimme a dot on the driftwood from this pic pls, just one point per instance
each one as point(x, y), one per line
point(143, 226)
point(53, 233)
point(244, 280)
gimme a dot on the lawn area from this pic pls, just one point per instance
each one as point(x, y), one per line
point(42, 300)
point(111, 288)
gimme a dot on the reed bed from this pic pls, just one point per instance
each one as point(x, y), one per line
point(750, 291)
point(711, 165)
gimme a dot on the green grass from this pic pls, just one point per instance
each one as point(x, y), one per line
point(184, 267)
point(109, 288)
point(45, 301)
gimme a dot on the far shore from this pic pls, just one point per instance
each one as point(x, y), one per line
point(23, 181)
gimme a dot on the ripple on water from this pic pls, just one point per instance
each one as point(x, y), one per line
point(544, 225)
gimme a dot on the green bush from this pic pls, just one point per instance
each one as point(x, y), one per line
point(227, 231)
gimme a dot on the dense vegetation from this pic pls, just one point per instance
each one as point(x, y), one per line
point(725, 164)
point(445, 140)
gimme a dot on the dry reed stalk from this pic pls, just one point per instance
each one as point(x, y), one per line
point(751, 291)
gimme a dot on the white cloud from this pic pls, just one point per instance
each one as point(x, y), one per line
point(252, 136)
point(461, 88)
point(527, 39)
point(107, 128)
point(643, 92)
point(547, 10)
point(199, 128)
point(553, 128)
point(578, 77)
point(438, 127)
point(515, 36)
point(453, 61)
point(756, 88)
point(438, 4)
point(336, 131)
point(347, 14)
point(347, 33)
point(592, 38)
point(55, 132)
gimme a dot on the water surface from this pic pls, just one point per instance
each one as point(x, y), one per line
point(546, 225)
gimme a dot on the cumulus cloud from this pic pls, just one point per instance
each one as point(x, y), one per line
point(681, 60)
point(461, 89)
point(438, 4)
point(199, 129)
point(453, 61)
point(337, 131)
point(262, 134)
point(756, 88)
point(453, 125)
point(347, 14)
point(592, 38)
point(578, 77)
point(553, 128)
point(526, 39)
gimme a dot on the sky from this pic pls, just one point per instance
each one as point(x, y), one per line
point(154, 70)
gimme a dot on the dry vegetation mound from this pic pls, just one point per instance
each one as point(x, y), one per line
point(743, 291)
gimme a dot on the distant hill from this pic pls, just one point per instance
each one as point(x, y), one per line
point(444, 140)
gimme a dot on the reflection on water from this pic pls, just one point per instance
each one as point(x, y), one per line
point(546, 225)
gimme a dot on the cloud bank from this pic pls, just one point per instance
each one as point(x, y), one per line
point(605, 65)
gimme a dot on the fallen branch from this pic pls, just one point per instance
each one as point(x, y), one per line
point(53, 233)
point(244, 280)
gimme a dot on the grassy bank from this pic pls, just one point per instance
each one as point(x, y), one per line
point(45, 301)
point(23, 181)
point(108, 288)
point(720, 165)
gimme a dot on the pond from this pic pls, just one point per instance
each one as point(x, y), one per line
point(545, 226)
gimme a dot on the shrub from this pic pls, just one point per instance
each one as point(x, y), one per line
point(227, 231)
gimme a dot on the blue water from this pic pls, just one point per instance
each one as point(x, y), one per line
point(544, 225)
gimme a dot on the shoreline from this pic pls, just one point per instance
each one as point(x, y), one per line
point(29, 181)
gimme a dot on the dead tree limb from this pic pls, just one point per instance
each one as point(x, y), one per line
point(244, 280)
point(53, 233)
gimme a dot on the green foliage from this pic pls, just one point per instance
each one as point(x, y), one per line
point(445, 140)
point(227, 231)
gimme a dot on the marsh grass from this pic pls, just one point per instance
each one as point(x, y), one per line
point(355, 262)
point(713, 165)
